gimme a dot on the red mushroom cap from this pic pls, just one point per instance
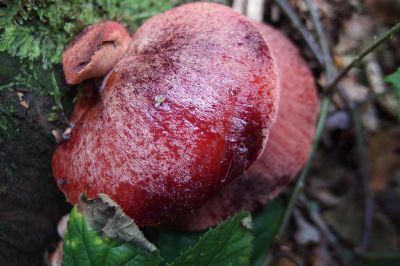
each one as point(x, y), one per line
point(287, 148)
point(94, 51)
point(183, 113)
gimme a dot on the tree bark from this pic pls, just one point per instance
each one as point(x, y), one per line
point(30, 203)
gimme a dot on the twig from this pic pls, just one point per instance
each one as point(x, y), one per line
point(308, 38)
point(327, 58)
point(387, 35)
point(333, 242)
point(331, 71)
point(300, 180)
point(326, 101)
point(368, 197)
point(327, 63)
point(320, 125)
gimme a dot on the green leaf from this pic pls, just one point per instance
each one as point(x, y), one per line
point(173, 243)
point(84, 246)
point(265, 226)
point(394, 79)
point(228, 244)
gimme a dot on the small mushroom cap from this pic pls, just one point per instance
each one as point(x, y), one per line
point(287, 148)
point(94, 52)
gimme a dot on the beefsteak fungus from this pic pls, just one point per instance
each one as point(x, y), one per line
point(185, 110)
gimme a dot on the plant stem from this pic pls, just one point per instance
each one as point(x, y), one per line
point(321, 37)
point(387, 35)
point(368, 197)
point(327, 63)
point(300, 180)
point(331, 71)
point(308, 38)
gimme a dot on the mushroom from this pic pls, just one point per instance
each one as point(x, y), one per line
point(185, 108)
point(94, 51)
point(287, 148)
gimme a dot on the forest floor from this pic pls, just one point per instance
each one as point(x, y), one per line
point(350, 204)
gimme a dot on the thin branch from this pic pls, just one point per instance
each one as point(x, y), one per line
point(323, 41)
point(386, 36)
point(308, 38)
point(333, 242)
point(368, 197)
point(330, 68)
point(304, 172)
point(331, 72)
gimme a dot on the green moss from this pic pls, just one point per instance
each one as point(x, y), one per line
point(31, 78)
point(7, 124)
point(6, 127)
point(39, 30)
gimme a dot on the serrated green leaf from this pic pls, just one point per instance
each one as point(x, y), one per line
point(173, 243)
point(228, 244)
point(265, 226)
point(84, 246)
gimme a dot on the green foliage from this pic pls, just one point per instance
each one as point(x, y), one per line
point(265, 226)
point(39, 30)
point(173, 243)
point(266, 223)
point(228, 244)
point(24, 74)
point(394, 81)
point(16, 73)
point(83, 246)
